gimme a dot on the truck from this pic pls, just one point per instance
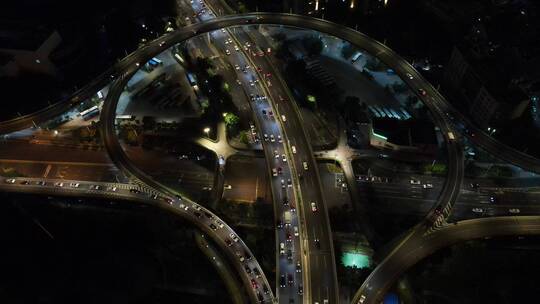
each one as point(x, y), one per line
point(287, 218)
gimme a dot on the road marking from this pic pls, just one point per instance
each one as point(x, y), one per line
point(256, 188)
point(49, 166)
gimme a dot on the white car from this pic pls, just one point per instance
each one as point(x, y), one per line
point(74, 185)
point(276, 154)
point(234, 237)
point(10, 181)
point(272, 138)
point(283, 118)
point(283, 158)
point(410, 76)
point(415, 182)
point(279, 139)
point(274, 172)
point(293, 148)
point(59, 184)
point(227, 52)
point(236, 48)
point(514, 210)
point(427, 186)
point(362, 299)
point(281, 248)
point(313, 207)
point(237, 67)
point(304, 164)
point(295, 230)
point(478, 210)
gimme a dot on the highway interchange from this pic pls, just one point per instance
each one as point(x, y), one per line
point(422, 240)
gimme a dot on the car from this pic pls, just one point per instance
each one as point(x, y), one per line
point(113, 188)
point(279, 224)
point(240, 256)
point(236, 48)
point(293, 149)
point(279, 139)
point(96, 187)
point(272, 138)
point(304, 164)
point(314, 207)
point(283, 183)
point(254, 283)
point(289, 255)
point(234, 237)
point(285, 201)
point(288, 235)
point(276, 154)
point(283, 158)
point(197, 214)
point(282, 281)
point(478, 210)
point(362, 299)
point(281, 248)
point(298, 267)
point(247, 256)
point(265, 136)
point(492, 199)
point(283, 118)
point(290, 279)
point(409, 76)
point(227, 187)
point(263, 111)
point(293, 208)
point(25, 182)
point(474, 185)
point(169, 200)
point(274, 172)
point(422, 92)
point(265, 288)
point(236, 67)
point(220, 224)
point(317, 243)
point(10, 181)
point(289, 183)
point(260, 297)
point(279, 170)
point(514, 210)
point(214, 227)
point(415, 182)
point(295, 230)
point(208, 215)
point(228, 242)
point(257, 273)
point(41, 183)
point(427, 186)
point(227, 52)
point(133, 190)
point(300, 289)
point(270, 113)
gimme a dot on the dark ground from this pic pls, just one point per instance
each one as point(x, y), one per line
point(100, 253)
point(486, 271)
point(94, 34)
